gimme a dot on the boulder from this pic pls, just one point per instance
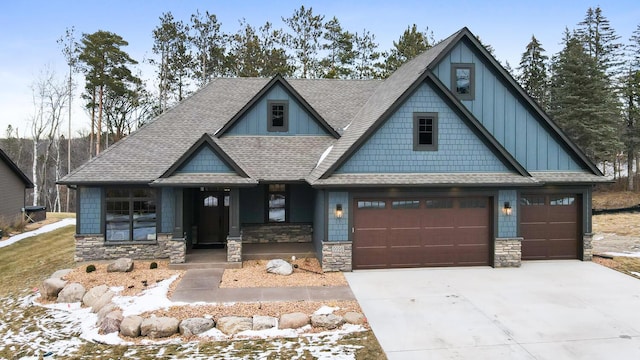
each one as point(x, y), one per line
point(159, 327)
point(264, 322)
point(195, 326)
point(329, 321)
point(293, 320)
point(234, 324)
point(94, 294)
point(60, 273)
point(104, 312)
point(51, 288)
point(279, 267)
point(130, 326)
point(121, 265)
point(354, 318)
point(71, 293)
point(111, 322)
point(102, 301)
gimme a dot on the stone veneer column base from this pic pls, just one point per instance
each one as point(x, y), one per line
point(234, 249)
point(587, 247)
point(94, 247)
point(507, 252)
point(177, 251)
point(336, 256)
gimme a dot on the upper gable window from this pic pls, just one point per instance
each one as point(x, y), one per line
point(278, 115)
point(425, 131)
point(463, 78)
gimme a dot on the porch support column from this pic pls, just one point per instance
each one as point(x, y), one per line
point(234, 239)
point(178, 229)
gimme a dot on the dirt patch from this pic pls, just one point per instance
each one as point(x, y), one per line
point(626, 265)
point(253, 274)
point(620, 224)
point(134, 282)
point(615, 199)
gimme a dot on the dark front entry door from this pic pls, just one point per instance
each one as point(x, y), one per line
point(213, 226)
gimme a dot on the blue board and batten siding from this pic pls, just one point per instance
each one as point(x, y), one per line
point(390, 148)
point(90, 211)
point(205, 160)
point(168, 206)
point(503, 114)
point(254, 121)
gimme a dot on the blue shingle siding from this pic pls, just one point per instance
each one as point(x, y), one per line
point(205, 160)
point(168, 210)
point(390, 148)
point(338, 228)
point(508, 225)
point(254, 122)
point(504, 115)
point(90, 210)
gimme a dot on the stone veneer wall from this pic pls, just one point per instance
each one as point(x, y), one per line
point(93, 247)
point(336, 255)
point(507, 252)
point(234, 249)
point(587, 247)
point(270, 233)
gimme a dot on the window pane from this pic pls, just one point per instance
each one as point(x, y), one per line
point(439, 203)
point(130, 214)
point(371, 204)
point(118, 225)
point(277, 208)
point(210, 201)
point(117, 193)
point(405, 204)
point(277, 115)
point(473, 203)
point(277, 187)
point(561, 200)
point(425, 131)
point(463, 80)
point(532, 200)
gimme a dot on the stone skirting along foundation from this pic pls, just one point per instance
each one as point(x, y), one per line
point(336, 255)
point(93, 247)
point(234, 249)
point(507, 252)
point(270, 233)
point(587, 247)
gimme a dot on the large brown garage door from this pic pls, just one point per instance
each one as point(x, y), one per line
point(550, 226)
point(421, 232)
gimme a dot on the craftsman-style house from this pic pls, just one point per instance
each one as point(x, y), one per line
point(448, 162)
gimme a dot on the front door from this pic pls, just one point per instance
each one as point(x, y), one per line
point(213, 226)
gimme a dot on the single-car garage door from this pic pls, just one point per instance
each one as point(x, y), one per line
point(550, 226)
point(421, 232)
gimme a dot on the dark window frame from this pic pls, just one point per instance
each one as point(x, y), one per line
point(471, 95)
point(131, 198)
point(270, 117)
point(417, 117)
point(287, 201)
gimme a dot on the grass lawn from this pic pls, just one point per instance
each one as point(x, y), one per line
point(25, 264)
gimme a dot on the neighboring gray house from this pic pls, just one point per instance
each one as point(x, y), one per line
point(13, 184)
point(448, 162)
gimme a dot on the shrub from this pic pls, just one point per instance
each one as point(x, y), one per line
point(91, 268)
point(153, 265)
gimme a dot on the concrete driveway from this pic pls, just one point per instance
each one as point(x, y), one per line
point(543, 310)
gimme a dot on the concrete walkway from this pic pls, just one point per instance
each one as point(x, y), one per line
point(202, 285)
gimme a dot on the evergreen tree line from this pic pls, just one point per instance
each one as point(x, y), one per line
point(591, 88)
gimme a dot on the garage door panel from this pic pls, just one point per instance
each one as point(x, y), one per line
point(404, 237)
point(372, 237)
point(370, 258)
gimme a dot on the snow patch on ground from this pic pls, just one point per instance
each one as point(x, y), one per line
point(45, 229)
point(154, 298)
point(624, 254)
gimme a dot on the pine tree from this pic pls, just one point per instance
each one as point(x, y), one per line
point(210, 47)
point(630, 81)
point(533, 75)
point(341, 56)
point(256, 53)
point(367, 62)
point(580, 101)
point(409, 45)
point(307, 30)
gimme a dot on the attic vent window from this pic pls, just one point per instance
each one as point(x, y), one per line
point(425, 131)
point(278, 116)
point(463, 77)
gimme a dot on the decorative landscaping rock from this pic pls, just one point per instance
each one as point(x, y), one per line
point(102, 301)
point(104, 312)
point(71, 293)
point(94, 294)
point(234, 324)
point(121, 265)
point(159, 327)
point(279, 267)
point(130, 326)
point(51, 288)
point(111, 322)
point(195, 326)
point(264, 322)
point(354, 318)
point(293, 320)
point(329, 321)
point(60, 273)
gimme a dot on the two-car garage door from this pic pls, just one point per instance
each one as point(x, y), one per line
point(420, 232)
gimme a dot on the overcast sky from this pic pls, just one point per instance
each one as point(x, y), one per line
point(29, 30)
